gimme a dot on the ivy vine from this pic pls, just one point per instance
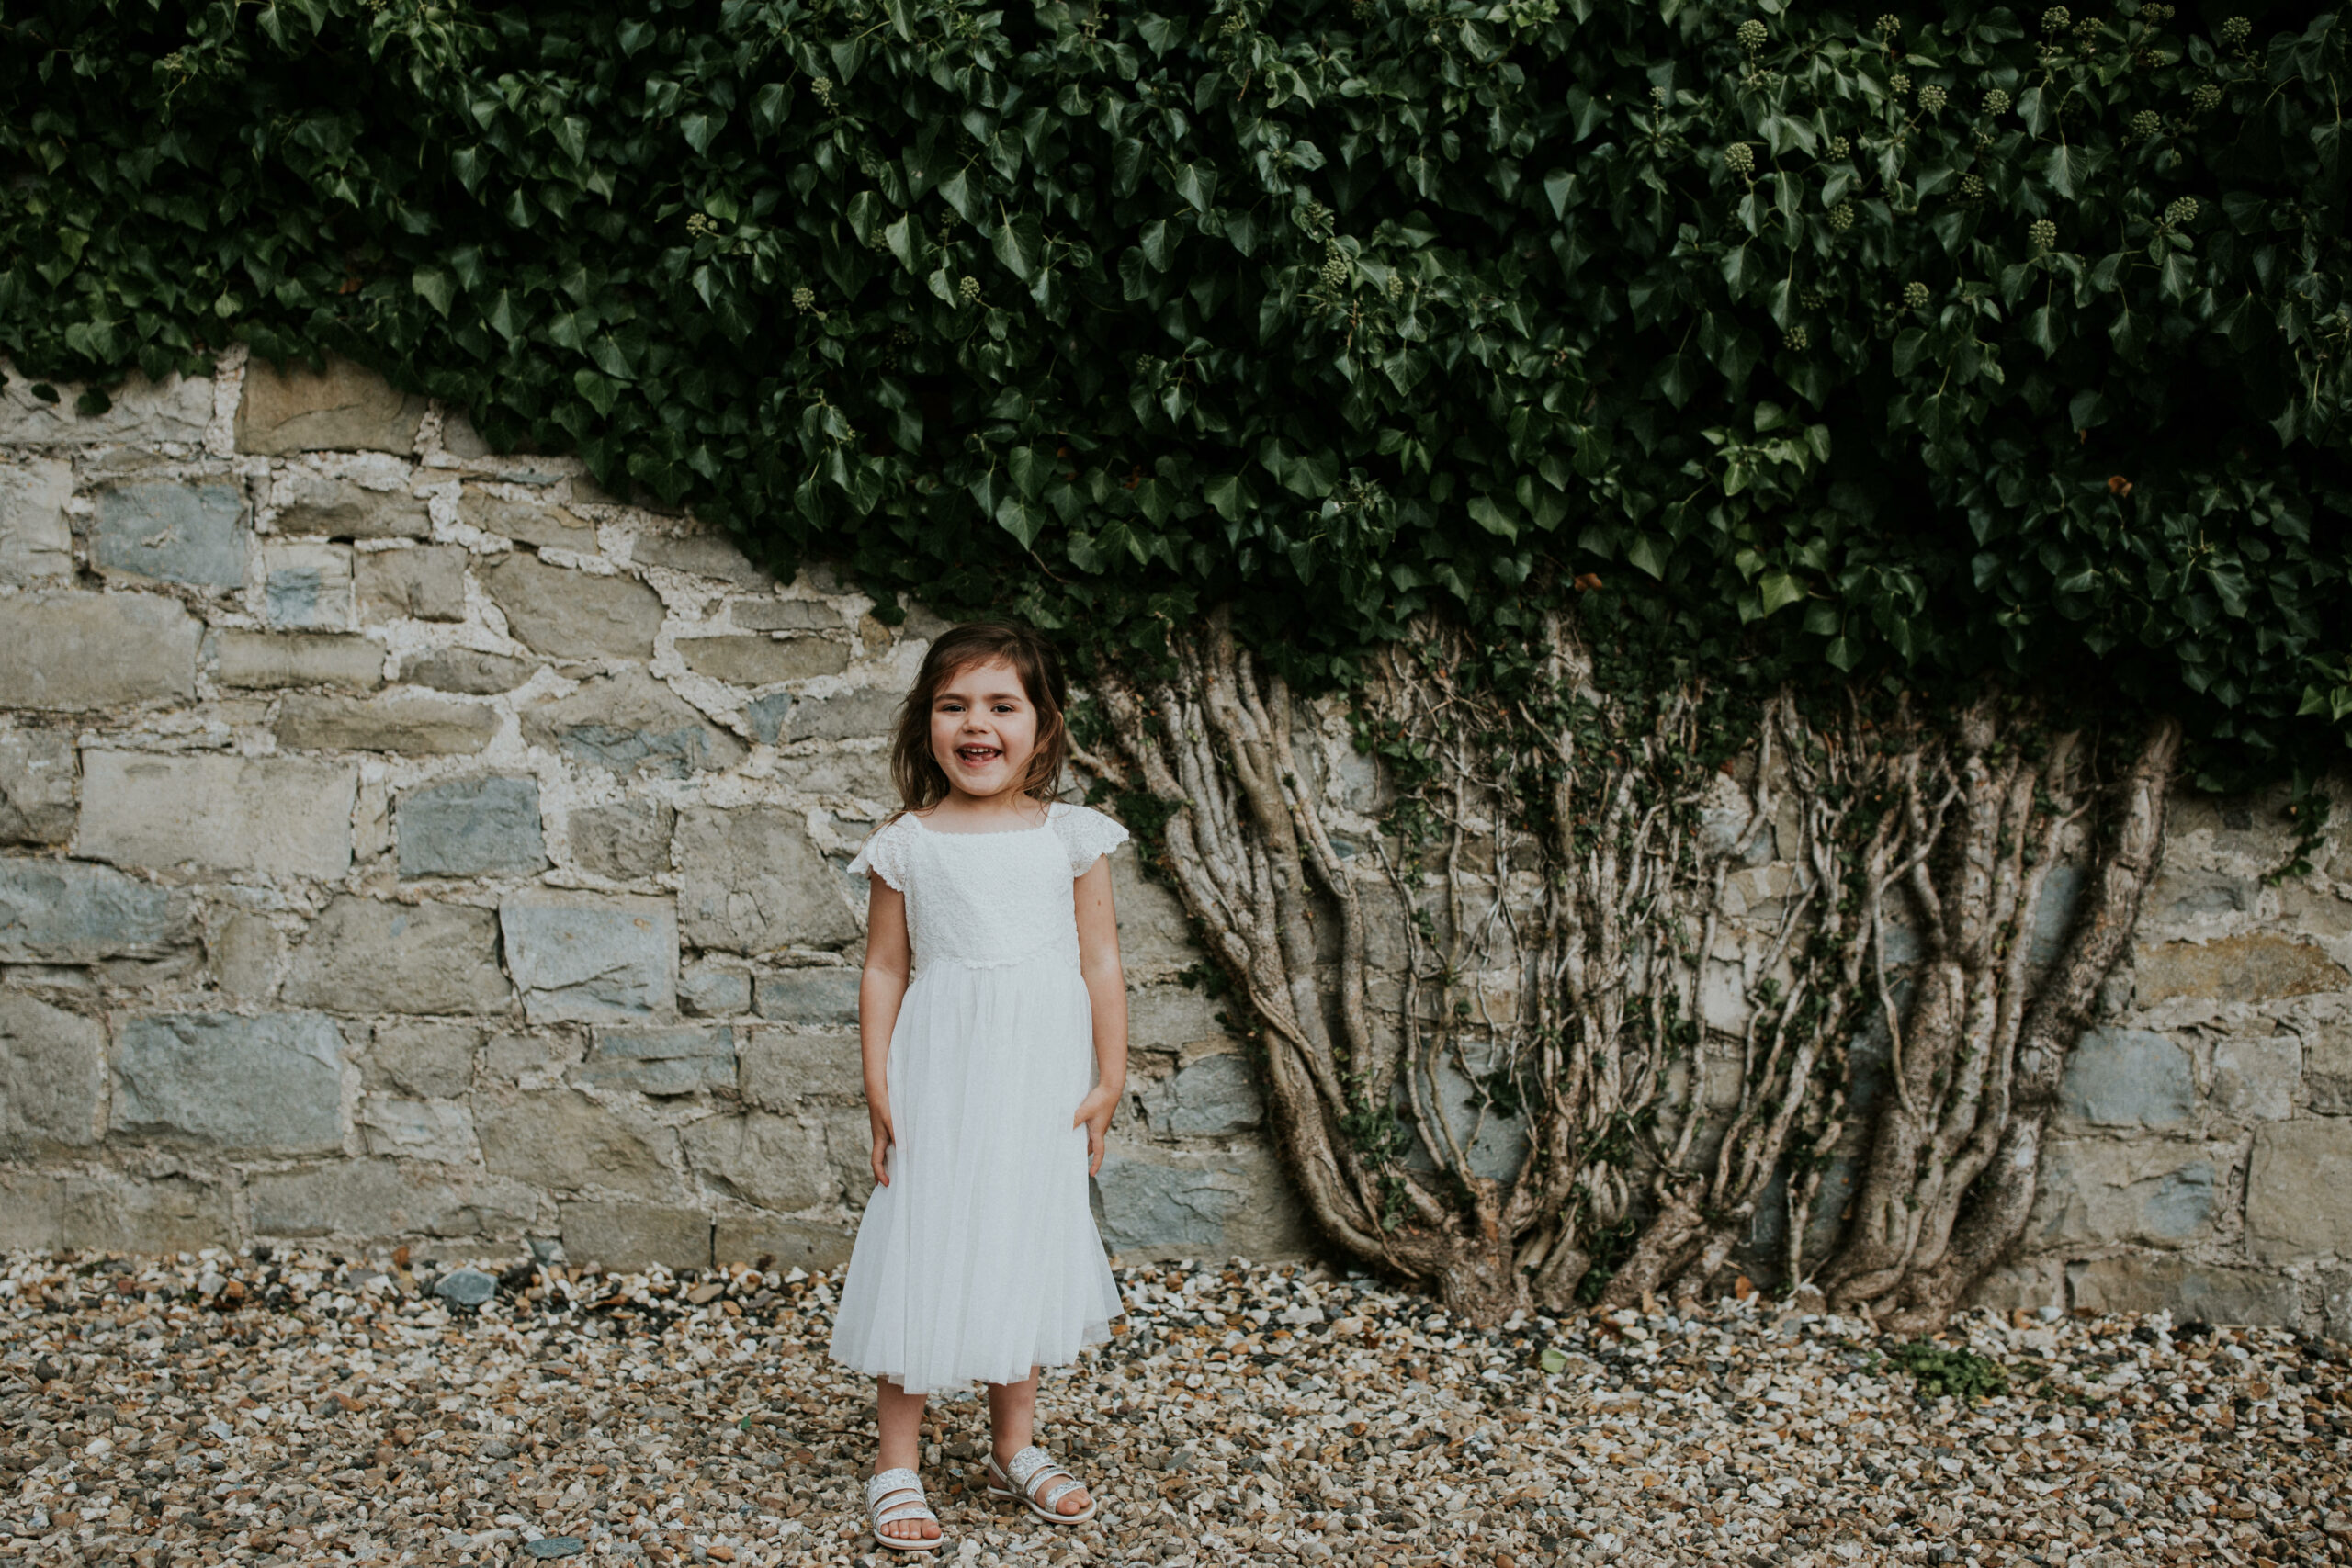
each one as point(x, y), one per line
point(1955, 344)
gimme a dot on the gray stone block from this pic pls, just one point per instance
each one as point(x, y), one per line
point(515, 1056)
point(1156, 1204)
point(52, 1076)
point(56, 911)
point(635, 1236)
point(139, 412)
point(397, 721)
point(307, 587)
point(765, 717)
point(425, 583)
point(172, 532)
point(36, 541)
point(2335, 1302)
point(574, 614)
point(69, 652)
point(2098, 1192)
point(622, 842)
point(590, 956)
point(679, 1059)
point(464, 670)
point(422, 1060)
point(244, 951)
point(471, 828)
point(753, 883)
point(260, 816)
point(709, 990)
point(2299, 1191)
point(107, 1210)
point(853, 716)
point(849, 1139)
point(763, 661)
point(364, 956)
point(381, 1200)
point(459, 439)
point(811, 997)
point(2128, 1078)
point(318, 505)
point(35, 787)
point(2027, 1287)
point(2251, 968)
point(527, 522)
point(629, 724)
point(2054, 917)
point(271, 660)
point(1501, 1145)
point(786, 615)
point(292, 408)
point(2256, 1076)
point(704, 554)
point(775, 1162)
point(788, 1244)
point(437, 1130)
point(2207, 1292)
point(1214, 1096)
point(784, 1065)
point(859, 775)
point(195, 1076)
point(2180, 897)
point(1161, 1207)
point(1152, 932)
point(1170, 1017)
point(562, 1140)
point(2327, 1067)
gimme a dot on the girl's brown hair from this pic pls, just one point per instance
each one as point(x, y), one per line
point(921, 784)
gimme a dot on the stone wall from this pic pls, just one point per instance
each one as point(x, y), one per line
point(2203, 1157)
point(399, 842)
point(403, 842)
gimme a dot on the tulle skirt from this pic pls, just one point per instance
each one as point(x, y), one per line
point(980, 1259)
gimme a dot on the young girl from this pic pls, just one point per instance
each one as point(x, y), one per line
point(991, 965)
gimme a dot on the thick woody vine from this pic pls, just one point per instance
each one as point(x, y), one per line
point(1553, 862)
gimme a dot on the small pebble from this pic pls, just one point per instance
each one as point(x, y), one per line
point(466, 1287)
point(311, 1409)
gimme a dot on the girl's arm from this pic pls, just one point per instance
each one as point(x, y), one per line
point(1106, 988)
point(880, 990)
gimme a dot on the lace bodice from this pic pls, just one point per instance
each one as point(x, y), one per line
point(986, 900)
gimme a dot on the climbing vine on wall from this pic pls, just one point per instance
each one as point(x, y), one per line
point(1950, 341)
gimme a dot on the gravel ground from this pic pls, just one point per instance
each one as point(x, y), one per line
point(305, 1409)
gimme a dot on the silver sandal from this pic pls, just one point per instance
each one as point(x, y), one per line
point(906, 1486)
point(1032, 1468)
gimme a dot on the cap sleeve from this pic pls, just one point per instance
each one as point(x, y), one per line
point(1088, 835)
point(884, 855)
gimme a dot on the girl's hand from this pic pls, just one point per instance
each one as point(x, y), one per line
point(1095, 1114)
point(882, 1141)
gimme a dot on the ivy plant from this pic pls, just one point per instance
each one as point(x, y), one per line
point(1951, 345)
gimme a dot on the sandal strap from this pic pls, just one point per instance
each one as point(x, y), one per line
point(890, 1483)
point(1032, 1468)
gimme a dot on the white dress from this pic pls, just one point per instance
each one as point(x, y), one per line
point(980, 1259)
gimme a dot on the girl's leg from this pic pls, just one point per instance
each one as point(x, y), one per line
point(1013, 1421)
point(900, 1415)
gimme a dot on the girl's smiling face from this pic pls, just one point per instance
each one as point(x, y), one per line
point(983, 729)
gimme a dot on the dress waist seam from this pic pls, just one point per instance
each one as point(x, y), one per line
point(1068, 952)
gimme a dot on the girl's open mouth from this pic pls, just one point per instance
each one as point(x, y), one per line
point(977, 756)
